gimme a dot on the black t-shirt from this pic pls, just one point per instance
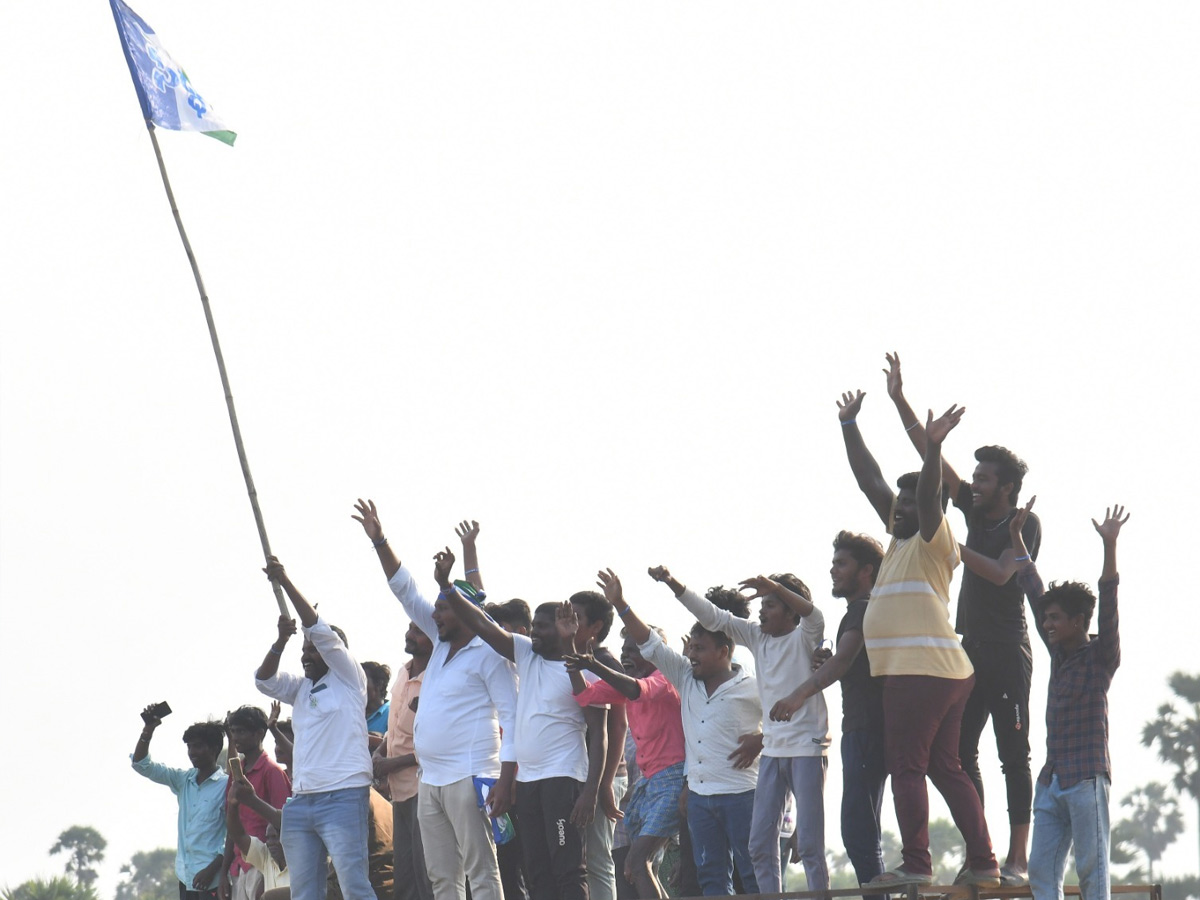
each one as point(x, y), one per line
point(862, 695)
point(990, 612)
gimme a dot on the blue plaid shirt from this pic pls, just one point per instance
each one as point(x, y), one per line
point(1077, 705)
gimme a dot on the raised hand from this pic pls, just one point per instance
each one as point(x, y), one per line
point(895, 384)
point(659, 573)
point(443, 565)
point(1016, 525)
point(1114, 517)
point(287, 627)
point(566, 622)
point(467, 531)
point(151, 720)
point(849, 406)
point(937, 429)
point(761, 585)
point(242, 790)
point(611, 585)
point(368, 518)
point(276, 709)
point(578, 662)
point(274, 570)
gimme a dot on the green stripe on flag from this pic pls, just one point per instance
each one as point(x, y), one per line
point(225, 137)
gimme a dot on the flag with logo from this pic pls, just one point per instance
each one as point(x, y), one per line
point(167, 95)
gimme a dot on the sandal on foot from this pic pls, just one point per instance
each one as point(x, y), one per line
point(899, 876)
point(1012, 878)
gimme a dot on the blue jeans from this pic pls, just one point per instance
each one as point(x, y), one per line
point(720, 825)
point(804, 776)
point(1079, 815)
point(863, 778)
point(333, 822)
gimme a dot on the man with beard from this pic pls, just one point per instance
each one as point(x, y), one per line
point(856, 560)
point(468, 699)
point(327, 815)
point(395, 762)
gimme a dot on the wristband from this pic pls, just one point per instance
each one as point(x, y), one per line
point(624, 612)
point(912, 426)
point(276, 652)
point(1024, 558)
point(472, 571)
point(849, 422)
point(382, 542)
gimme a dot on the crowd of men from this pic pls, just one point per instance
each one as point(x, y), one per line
point(517, 758)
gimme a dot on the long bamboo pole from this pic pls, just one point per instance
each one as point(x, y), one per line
point(212, 333)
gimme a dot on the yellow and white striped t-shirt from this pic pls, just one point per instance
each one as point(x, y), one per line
point(907, 624)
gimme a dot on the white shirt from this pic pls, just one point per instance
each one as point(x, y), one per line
point(328, 717)
point(260, 857)
point(711, 724)
point(550, 734)
point(783, 662)
point(465, 701)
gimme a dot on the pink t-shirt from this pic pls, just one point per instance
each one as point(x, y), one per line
point(654, 719)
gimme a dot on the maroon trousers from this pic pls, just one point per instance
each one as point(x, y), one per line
point(922, 719)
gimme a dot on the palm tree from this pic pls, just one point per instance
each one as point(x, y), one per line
point(1177, 735)
point(1153, 824)
point(60, 887)
point(86, 848)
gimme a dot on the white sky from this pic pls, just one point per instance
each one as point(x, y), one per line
point(592, 274)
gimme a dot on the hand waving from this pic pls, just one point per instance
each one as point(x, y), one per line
point(1114, 517)
point(368, 518)
point(849, 406)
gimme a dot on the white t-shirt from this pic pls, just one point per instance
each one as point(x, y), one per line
point(328, 717)
point(783, 663)
point(550, 724)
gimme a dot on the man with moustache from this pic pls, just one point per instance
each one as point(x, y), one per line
point(468, 700)
point(856, 560)
point(395, 762)
point(327, 815)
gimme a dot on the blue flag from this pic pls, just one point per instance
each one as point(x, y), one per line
point(167, 96)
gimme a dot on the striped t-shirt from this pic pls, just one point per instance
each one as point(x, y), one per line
point(907, 624)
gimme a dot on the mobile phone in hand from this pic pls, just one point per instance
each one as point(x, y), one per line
point(157, 711)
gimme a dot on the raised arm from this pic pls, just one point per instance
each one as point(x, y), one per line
point(608, 582)
point(866, 471)
point(151, 722)
point(1106, 616)
point(929, 483)
point(270, 665)
point(833, 669)
point(368, 518)
point(276, 574)
point(997, 571)
point(1109, 529)
point(762, 586)
point(243, 792)
point(620, 682)
point(233, 824)
point(467, 533)
point(468, 613)
point(912, 424)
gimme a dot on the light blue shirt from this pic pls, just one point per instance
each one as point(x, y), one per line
point(201, 816)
